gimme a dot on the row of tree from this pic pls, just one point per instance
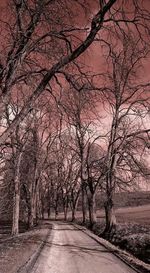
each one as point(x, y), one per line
point(69, 133)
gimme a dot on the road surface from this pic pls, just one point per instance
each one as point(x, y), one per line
point(70, 250)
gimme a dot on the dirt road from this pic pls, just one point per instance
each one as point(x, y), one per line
point(70, 250)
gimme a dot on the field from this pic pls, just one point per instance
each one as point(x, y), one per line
point(139, 214)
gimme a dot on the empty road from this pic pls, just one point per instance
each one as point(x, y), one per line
point(70, 250)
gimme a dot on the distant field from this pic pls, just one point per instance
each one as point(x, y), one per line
point(129, 207)
point(126, 199)
point(138, 214)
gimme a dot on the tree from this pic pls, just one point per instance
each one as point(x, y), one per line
point(95, 176)
point(43, 77)
point(78, 108)
point(28, 39)
point(127, 100)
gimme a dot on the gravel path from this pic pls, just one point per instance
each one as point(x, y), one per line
point(70, 250)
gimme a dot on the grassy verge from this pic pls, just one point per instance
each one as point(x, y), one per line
point(16, 251)
point(132, 237)
point(132, 231)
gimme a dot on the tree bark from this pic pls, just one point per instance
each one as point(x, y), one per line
point(73, 217)
point(74, 208)
point(33, 207)
point(84, 204)
point(65, 213)
point(34, 192)
point(110, 218)
point(56, 213)
point(49, 204)
point(49, 212)
point(16, 198)
point(32, 214)
point(28, 203)
point(92, 209)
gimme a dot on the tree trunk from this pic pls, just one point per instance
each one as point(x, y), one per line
point(16, 198)
point(110, 218)
point(28, 201)
point(74, 209)
point(49, 204)
point(49, 212)
point(34, 192)
point(92, 210)
point(38, 207)
point(84, 204)
point(65, 213)
point(33, 212)
point(43, 212)
point(29, 215)
point(74, 204)
point(56, 214)
point(56, 209)
point(73, 217)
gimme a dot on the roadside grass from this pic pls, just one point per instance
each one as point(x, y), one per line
point(132, 237)
point(16, 251)
point(132, 230)
point(5, 228)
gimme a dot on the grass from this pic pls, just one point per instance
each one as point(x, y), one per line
point(16, 251)
point(126, 199)
point(139, 214)
point(5, 228)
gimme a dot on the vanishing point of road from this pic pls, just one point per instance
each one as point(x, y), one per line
point(70, 250)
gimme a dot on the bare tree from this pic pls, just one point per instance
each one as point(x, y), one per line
point(77, 107)
point(95, 176)
point(27, 39)
point(127, 100)
point(41, 58)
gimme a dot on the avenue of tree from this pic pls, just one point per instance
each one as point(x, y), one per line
point(68, 132)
